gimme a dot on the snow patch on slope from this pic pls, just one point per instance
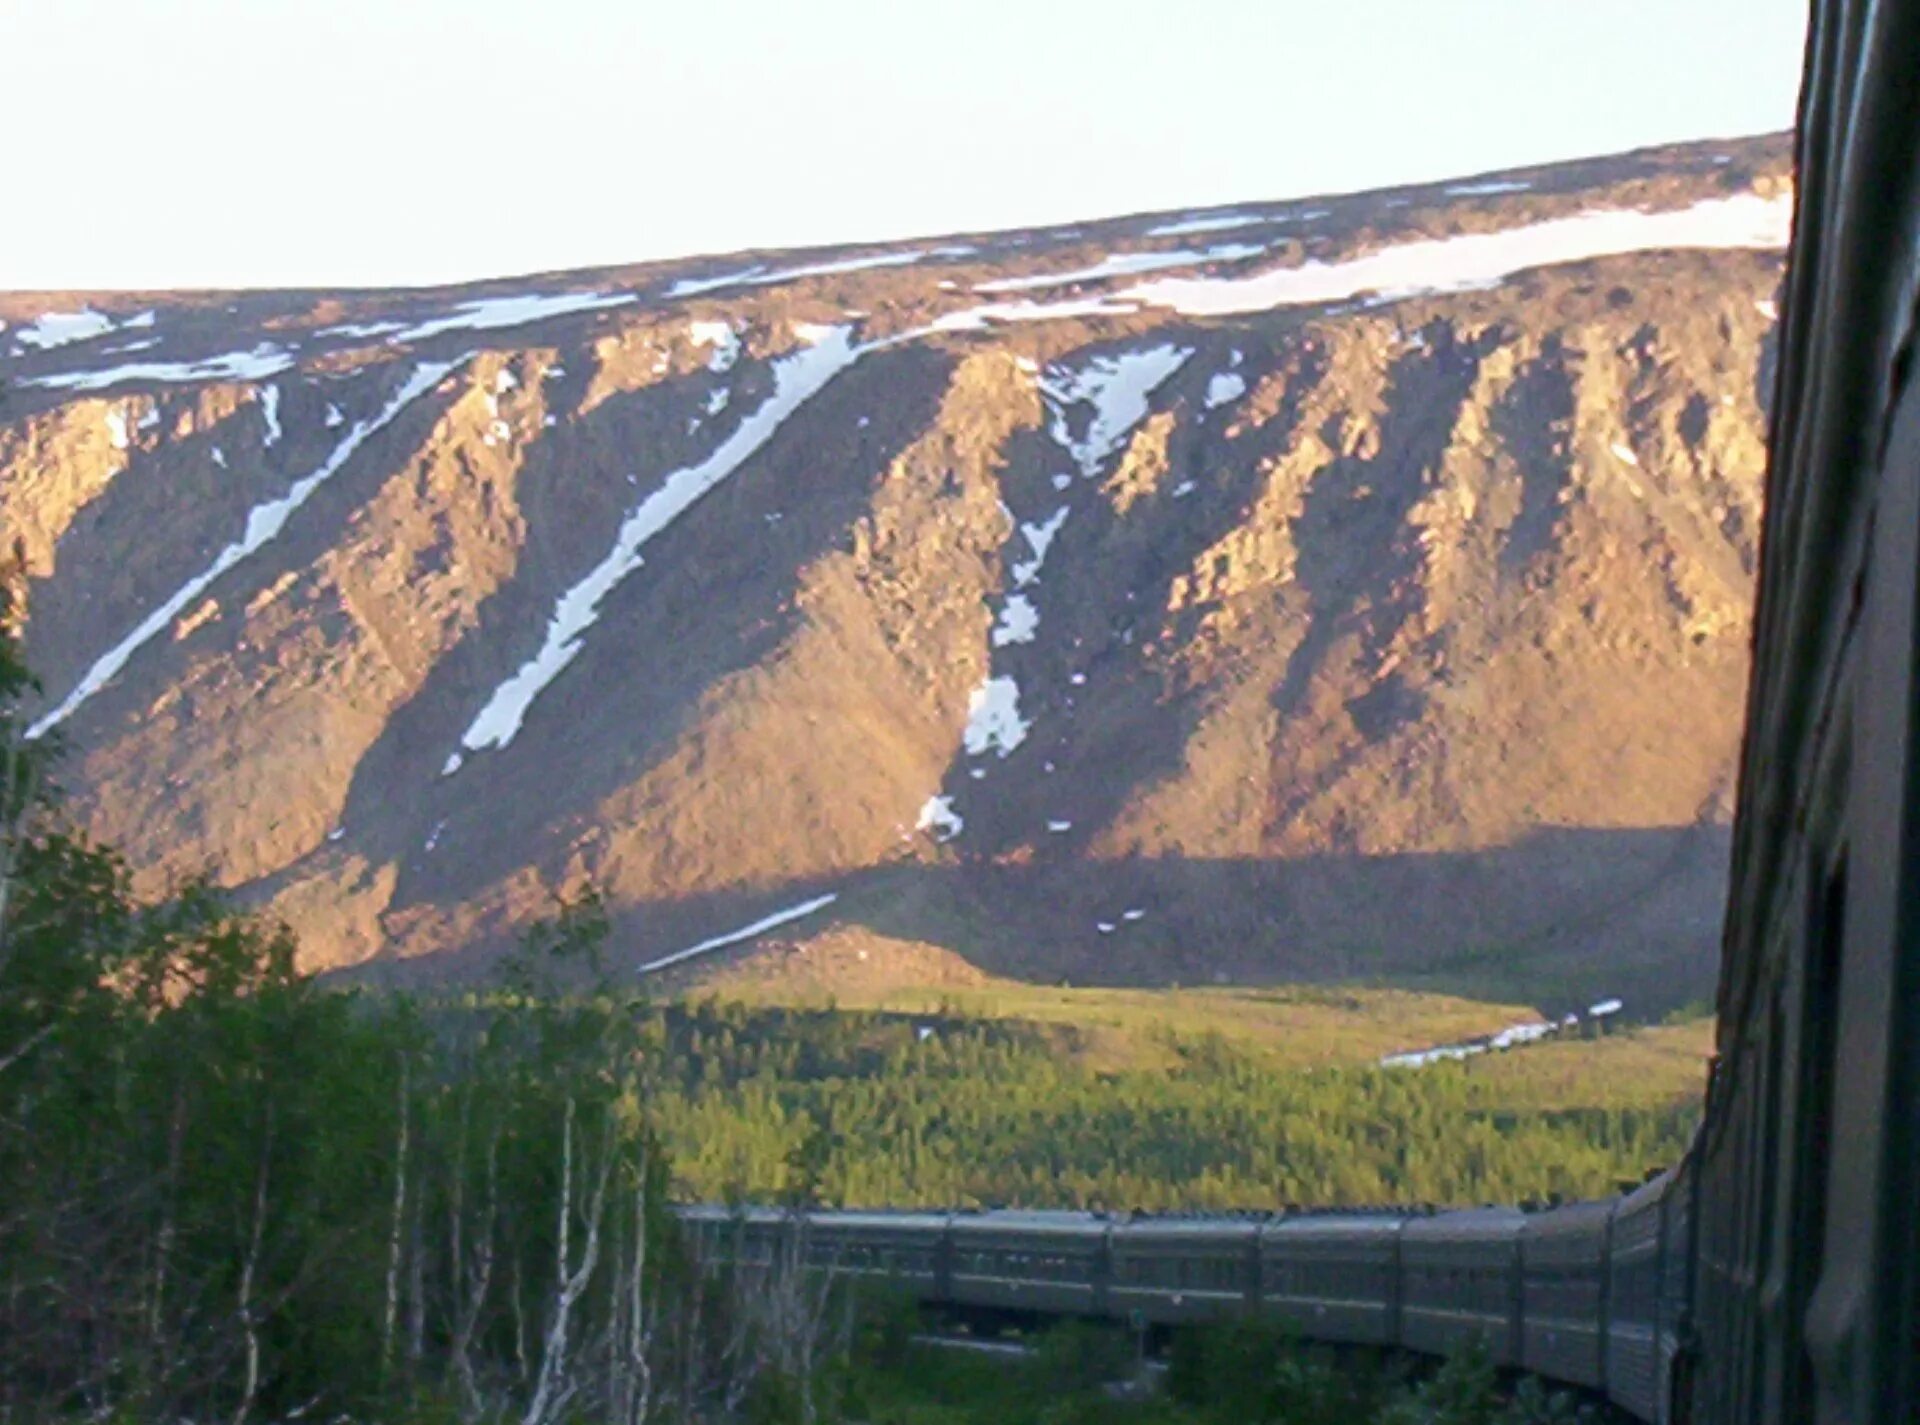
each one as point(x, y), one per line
point(939, 817)
point(1039, 539)
point(263, 361)
point(1124, 264)
point(1215, 223)
point(362, 329)
point(1225, 386)
point(59, 328)
point(795, 378)
point(1491, 185)
point(491, 313)
point(745, 932)
point(1117, 386)
point(970, 319)
point(723, 340)
point(1478, 260)
point(1019, 620)
point(993, 718)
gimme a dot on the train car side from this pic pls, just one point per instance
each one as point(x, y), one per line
point(1563, 1292)
point(1030, 1261)
point(903, 1249)
point(1633, 1357)
point(1460, 1280)
point(1337, 1277)
point(1195, 1270)
point(1677, 1268)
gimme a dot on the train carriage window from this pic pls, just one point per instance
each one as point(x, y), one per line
point(1214, 1274)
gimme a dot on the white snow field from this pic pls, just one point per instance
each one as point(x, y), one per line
point(263, 361)
point(1425, 266)
point(1471, 260)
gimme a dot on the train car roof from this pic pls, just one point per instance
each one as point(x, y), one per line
point(1474, 1223)
point(873, 1218)
point(1025, 1220)
point(1649, 1193)
point(1188, 1227)
point(1574, 1217)
point(1341, 1224)
point(720, 1212)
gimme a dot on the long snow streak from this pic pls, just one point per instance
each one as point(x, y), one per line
point(745, 932)
point(1473, 260)
point(264, 522)
point(973, 319)
point(263, 361)
point(795, 379)
point(1208, 223)
point(1424, 266)
point(491, 313)
point(1125, 264)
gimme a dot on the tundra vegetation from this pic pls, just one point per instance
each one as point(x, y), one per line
point(229, 1192)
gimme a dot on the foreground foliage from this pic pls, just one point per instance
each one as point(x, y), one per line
point(227, 1193)
point(1244, 1373)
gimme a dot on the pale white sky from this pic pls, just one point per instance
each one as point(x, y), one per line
point(160, 143)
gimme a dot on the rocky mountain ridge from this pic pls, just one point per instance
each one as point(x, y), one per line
point(1346, 589)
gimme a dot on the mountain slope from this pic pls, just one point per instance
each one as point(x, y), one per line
point(1352, 588)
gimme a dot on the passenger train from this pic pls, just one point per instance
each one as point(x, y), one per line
point(1591, 1294)
point(1773, 1277)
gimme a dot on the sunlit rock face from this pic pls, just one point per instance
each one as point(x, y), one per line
point(1347, 588)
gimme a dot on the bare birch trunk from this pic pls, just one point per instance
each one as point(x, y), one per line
point(639, 1319)
point(557, 1383)
point(416, 1284)
point(474, 1280)
point(521, 1367)
point(168, 1230)
point(396, 1235)
point(629, 1330)
point(249, 1269)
